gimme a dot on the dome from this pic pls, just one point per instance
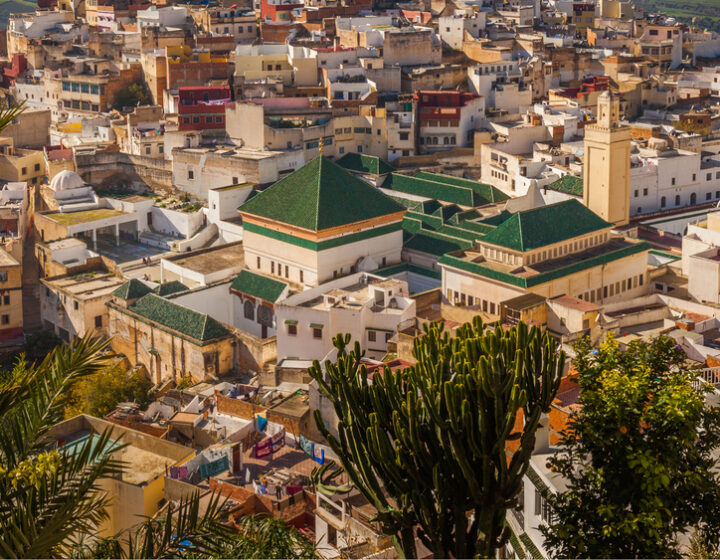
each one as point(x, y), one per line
point(66, 180)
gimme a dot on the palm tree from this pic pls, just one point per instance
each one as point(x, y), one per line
point(50, 501)
point(48, 497)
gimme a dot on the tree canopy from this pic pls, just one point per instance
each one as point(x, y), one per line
point(639, 456)
point(100, 393)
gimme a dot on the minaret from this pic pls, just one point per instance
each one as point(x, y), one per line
point(606, 169)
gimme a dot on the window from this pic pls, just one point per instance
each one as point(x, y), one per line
point(663, 202)
point(191, 174)
point(24, 170)
point(5, 320)
point(37, 167)
point(693, 198)
point(317, 333)
point(147, 150)
point(272, 267)
point(6, 300)
point(672, 181)
point(694, 176)
point(75, 87)
point(218, 119)
point(94, 89)
point(645, 191)
point(161, 148)
point(708, 196)
point(637, 193)
point(76, 305)
point(249, 310)
point(85, 88)
point(196, 120)
point(371, 336)
point(677, 200)
point(98, 321)
point(66, 86)
point(404, 135)
point(292, 330)
point(258, 262)
point(208, 120)
point(708, 176)
point(342, 150)
point(301, 276)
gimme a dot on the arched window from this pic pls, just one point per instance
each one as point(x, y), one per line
point(249, 310)
point(677, 200)
point(693, 198)
point(663, 202)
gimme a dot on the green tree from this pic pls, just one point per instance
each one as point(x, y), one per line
point(100, 393)
point(639, 456)
point(48, 497)
point(428, 446)
point(133, 95)
point(183, 532)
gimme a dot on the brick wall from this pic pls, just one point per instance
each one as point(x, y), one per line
point(238, 408)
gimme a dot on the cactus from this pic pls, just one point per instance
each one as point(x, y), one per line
point(427, 446)
point(323, 479)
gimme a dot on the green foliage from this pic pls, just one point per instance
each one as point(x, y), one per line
point(638, 457)
point(185, 382)
point(183, 532)
point(99, 394)
point(47, 497)
point(427, 446)
point(133, 95)
point(323, 479)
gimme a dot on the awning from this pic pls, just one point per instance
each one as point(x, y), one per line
point(291, 322)
point(316, 326)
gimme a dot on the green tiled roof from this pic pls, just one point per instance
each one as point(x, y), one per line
point(435, 243)
point(488, 192)
point(169, 288)
point(433, 189)
point(545, 225)
point(320, 195)
point(178, 318)
point(258, 285)
point(365, 164)
point(482, 269)
point(132, 289)
point(568, 184)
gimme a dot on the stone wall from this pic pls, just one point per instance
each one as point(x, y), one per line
point(107, 168)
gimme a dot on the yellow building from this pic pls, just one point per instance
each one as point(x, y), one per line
point(606, 170)
point(139, 491)
point(554, 250)
point(11, 311)
point(18, 164)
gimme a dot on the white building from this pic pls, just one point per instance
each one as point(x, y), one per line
point(368, 307)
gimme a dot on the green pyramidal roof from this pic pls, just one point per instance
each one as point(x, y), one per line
point(530, 229)
point(320, 195)
point(365, 163)
point(132, 289)
point(173, 316)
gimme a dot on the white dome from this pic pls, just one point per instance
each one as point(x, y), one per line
point(66, 180)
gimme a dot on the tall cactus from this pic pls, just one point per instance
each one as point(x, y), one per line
point(427, 446)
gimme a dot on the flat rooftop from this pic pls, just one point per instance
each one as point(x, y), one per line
point(83, 217)
point(353, 296)
point(213, 259)
point(87, 285)
point(295, 406)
